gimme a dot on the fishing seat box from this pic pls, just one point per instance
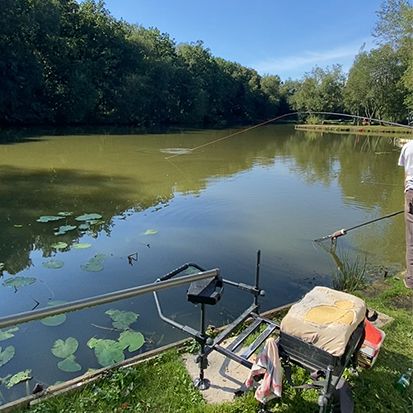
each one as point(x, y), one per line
point(323, 329)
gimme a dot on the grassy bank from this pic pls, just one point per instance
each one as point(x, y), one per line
point(163, 385)
point(359, 129)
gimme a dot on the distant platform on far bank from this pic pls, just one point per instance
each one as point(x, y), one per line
point(393, 131)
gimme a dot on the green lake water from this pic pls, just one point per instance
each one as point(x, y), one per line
point(272, 189)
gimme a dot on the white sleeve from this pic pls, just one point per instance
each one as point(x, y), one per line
point(401, 158)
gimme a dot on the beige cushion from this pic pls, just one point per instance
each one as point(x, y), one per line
point(325, 318)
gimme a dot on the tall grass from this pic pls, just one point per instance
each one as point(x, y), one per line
point(351, 275)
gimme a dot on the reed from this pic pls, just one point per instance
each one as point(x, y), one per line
point(351, 275)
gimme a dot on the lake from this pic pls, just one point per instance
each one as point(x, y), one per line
point(272, 188)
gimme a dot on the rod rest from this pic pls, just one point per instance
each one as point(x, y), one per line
point(207, 291)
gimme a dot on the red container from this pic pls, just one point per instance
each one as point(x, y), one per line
point(371, 346)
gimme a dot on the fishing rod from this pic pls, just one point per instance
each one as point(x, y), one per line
point(343, 231)
point(309, 112)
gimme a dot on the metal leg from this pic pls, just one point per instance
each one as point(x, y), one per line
point(324, 397)
point(201, 382)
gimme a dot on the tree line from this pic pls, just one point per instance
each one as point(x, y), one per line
point(69, 63)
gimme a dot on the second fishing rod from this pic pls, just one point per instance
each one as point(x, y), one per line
point(344, 231)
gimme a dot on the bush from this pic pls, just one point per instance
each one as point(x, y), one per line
point(313, 120)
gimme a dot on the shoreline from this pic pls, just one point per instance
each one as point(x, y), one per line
point(358, 129)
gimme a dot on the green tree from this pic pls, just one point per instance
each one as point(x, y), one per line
point(69, 62)
point(374, 87)
point(321, 90)
point(395, 28)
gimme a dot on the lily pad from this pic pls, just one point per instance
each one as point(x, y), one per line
point(59, 245)
point(49, 218)
point(65, 213)
point(65, 348)
point(95, 264)
point(53, 264)
point(107, 352)
point(18, 226)
point(18, 378)
point(6, 355)
point(19, 281)
point(88, 217)
point(81, 245)
point(69, 364)
point(150, 232)
point(6, 334)
point(131, 340)
point(122, 319)
point(84, 227)
point(54, 320)
point(96, 222)
point(65, 228)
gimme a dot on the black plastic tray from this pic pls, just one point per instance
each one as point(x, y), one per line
point(313, 358)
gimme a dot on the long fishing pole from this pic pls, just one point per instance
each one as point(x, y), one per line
point(310, 112)
point(343, 231)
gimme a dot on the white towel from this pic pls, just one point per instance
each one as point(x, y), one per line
point(267, 363)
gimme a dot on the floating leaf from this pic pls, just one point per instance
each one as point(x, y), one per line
point(122, 319)
point(59, 245)
point(95, 264)
point(65, 214)
point(132, 340)
point(69, 364)
point(6, 355)
point(81, 245)
point(65, 228)
point(18, 226)
point(96, 222)
point(84, 227)
point(19, 281)
point(54, 320)
point(18, 378)
point(150, 232)
point(88, 217)
point(107, 352)
point(48, 218)
point(6, 334)
point(53, 264)
point(65, 348)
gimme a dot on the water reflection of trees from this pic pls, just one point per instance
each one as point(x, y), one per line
point(100, 182)
point(112, 187)
point(27, 194)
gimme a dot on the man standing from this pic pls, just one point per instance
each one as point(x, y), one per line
point(406, 160)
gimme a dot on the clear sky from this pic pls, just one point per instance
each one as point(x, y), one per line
point(287, 38)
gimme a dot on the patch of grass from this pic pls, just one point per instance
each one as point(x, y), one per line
point(159, 385)
point(163, 385)
point(351, 275)
point(374, 389)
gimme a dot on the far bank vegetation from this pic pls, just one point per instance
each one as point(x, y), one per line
point(65, 62)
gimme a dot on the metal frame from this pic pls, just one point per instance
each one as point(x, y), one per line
point(327, 379)
point(24, 317)
point(207, 345)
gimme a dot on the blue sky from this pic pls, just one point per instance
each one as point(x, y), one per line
point(287, 38)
